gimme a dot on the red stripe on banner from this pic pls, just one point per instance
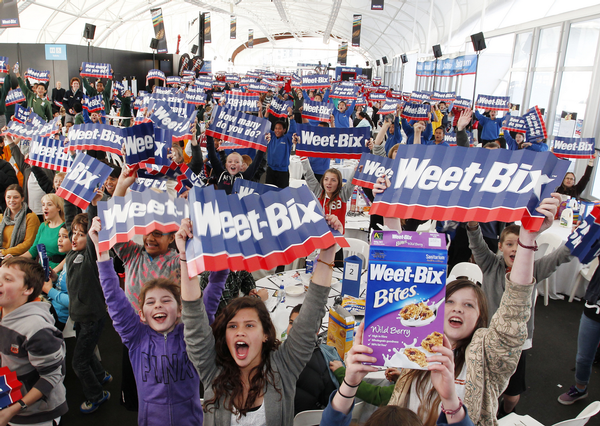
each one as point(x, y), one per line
point(308, 117)
point(242, 142)
point(94, 147)
point(341, 97)
point(301, 153)
point(271, 112)
point(86, 74)
point(317, 86)
point(491, 108)
point(182, 137)
point(460, 214)
point(72, 198)
point(47, 165)
point(582, 157)
point(510, 129)
point(124, 237)
point(217, 262)
point(362, 183)
point(391, 112)
point(408, 117)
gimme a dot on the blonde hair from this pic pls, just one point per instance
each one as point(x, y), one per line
point(58, 202)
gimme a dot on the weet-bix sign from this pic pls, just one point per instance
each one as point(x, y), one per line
point(235, 126)
point(462, 184)
point(165, 117)
point(244, 187)
point(48, 153)
point(320, 111)
point(254, 232)
point(370, 168)
point(497, 103)
point(332, 142)
point(574, 147)
point(515, 124)
point(315, 81)
point(279, 108)
point(93, 69)
point(417, 112)
point(242, 101)
point(85, 175)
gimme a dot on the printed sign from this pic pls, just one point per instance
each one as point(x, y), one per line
point(49, 153)
point(244, 187)
point(320, 111)
point(39, 76)
point(315, 81)
point(450, 138)
point(165, 117)
point(584, 242)
point(417, 112)
point(93, 104)
point(370, 168)
point(159, 30)
point(143, 183)
point(235, 126)
point(279, 108)
point(85, 176)
point(536, 127)
point(21, 114)
point(447, 97)
point(497, 103)
point(344, 92)
point(93, 69)
point(14, 96)
point(270, 230)
point(356, 23)
point(10, 386)
point(515, 124)
point(419, 97)
point(377, 97)
point(462, 184)
point(461, 103)
point(242, 101)
point(33, 127)
point(155, 74)
point(173, 80)
point(195, 95)
point(4, 64)
point(389, 107)
point(331, 142)
point(138, 213)
point(574, 147)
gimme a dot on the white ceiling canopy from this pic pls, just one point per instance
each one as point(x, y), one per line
point(403, 26)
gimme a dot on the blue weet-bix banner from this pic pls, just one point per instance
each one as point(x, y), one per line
point(315, 81)
point(497, 103)
point(536, 127)
point(462, 184)
point(147, 182)
point(93, 103)
point(49, 153)
point(138, 213)
point(253, 233)
point(118, 88)
point(203, 84)
point(389, 107)
point(246, 81)
point(101, 137)
point(195, 95)
point(242, 101)
point(515, 124)
point(574, 147)
point(21, 114)
point(331, 142)
point(4, 64)
point(39, 76)
point(167, 91)
point(279, 108)
point(29, 130)
point(370, 168)
point(244, 187)
point(450, 138)
point(85, 175)
point(155, 74)
point(93, 69)
point(417, 112)
point(344, 92)
point(187, 179)
point(164, 117)
point(163, 142)
point(320, 111)
point(235, 126)
point(447, 97)
point(419, 97)
point(584, 242)
point(262, 87)
point(461, 103)
point(232, 78)
point(377, 97)
point(14, 96)
point(174, 80)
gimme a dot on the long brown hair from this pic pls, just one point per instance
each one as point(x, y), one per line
point(228, 383)
point(340, 179)
point(422, 379)
point(392, 415)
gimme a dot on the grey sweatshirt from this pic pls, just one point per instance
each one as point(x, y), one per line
point(494, 271)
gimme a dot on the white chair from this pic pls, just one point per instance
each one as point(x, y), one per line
point(308, 418)
point(585, 274)
point(513, 419)
point(359, 248)
point(358, 409)
point(583, 417)
point(547, 243)
point(469, 270)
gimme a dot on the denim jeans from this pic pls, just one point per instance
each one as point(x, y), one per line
point(587, 344)
point(86, 364)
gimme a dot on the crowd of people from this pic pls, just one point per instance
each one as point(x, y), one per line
point(211, 336)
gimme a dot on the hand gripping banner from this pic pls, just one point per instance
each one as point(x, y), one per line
point(536, 127)
point(14, 96)
point(99, 70)
point(10, 386)
point(462, 184)
point(244, 187)
point(515, 124)
point(320, 111)
point(370, 168)
point(38, 76)
point(138, 213)
point(279, 108)
point(254, 232)
point(242, 101)
point(243, 129)
point(574, 147)
point(497, 103)
point(85, 175)
point(327, 142)
point(584, 242)
point(49, 153)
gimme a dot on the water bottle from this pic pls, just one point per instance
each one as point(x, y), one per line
point(353, 202)
point(280, 295)
point(311, 260)
point(16, 68)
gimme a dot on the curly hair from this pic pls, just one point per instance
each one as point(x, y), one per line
point(228, 383)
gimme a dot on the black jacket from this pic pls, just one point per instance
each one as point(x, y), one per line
point(314, 385)
point(8, 176)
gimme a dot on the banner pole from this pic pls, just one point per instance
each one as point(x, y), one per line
point(475, 82)
point(402, 78)
point(435, 74)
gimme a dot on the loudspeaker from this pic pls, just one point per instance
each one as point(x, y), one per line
point(154, 44)
point(384, 60)
point(378, 62)
point(437, 50)
point(367, 63)
point(404, 58)
point(478, 42)
point(194, 49)
point(89, 31)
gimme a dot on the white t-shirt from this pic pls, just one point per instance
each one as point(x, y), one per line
point(252, 418)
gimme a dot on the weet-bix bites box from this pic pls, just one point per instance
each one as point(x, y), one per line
point(404, 314)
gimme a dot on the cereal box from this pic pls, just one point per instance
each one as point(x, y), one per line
point(404, 314)
point(340, 330)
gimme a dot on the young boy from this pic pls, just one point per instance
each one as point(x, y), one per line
point(88, 312)
point(30, 345)
point(57, 293)
point(494, 268)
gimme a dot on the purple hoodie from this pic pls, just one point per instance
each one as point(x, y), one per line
point(168, 384)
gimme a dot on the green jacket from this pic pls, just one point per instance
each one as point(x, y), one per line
point(42, 107)
point(371, 394)
point(5, 89)
point(79, 119)
point(91, 91)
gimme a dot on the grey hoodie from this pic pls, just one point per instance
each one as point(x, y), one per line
point(32, 347)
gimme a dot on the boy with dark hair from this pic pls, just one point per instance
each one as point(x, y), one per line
point(88, 312)
point(494, 268)
point(30, 345)
point(78, 113)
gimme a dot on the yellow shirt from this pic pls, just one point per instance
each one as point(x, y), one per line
point(32, 224)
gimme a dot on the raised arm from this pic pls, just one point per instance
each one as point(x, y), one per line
point(251, 171)
point(311, 181)
point(213, 157)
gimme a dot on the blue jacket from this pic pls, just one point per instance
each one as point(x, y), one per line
point(395, 138)
point(432, 142)
point(512, 144)
point(59, 297)
point(410, 132)
point(167, 382)
point(342, 119)
point(488, 129)
point(279, 149)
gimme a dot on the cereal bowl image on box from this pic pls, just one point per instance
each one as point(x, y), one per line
point(406, 290)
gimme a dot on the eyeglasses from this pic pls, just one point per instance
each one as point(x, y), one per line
point(158, 234)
